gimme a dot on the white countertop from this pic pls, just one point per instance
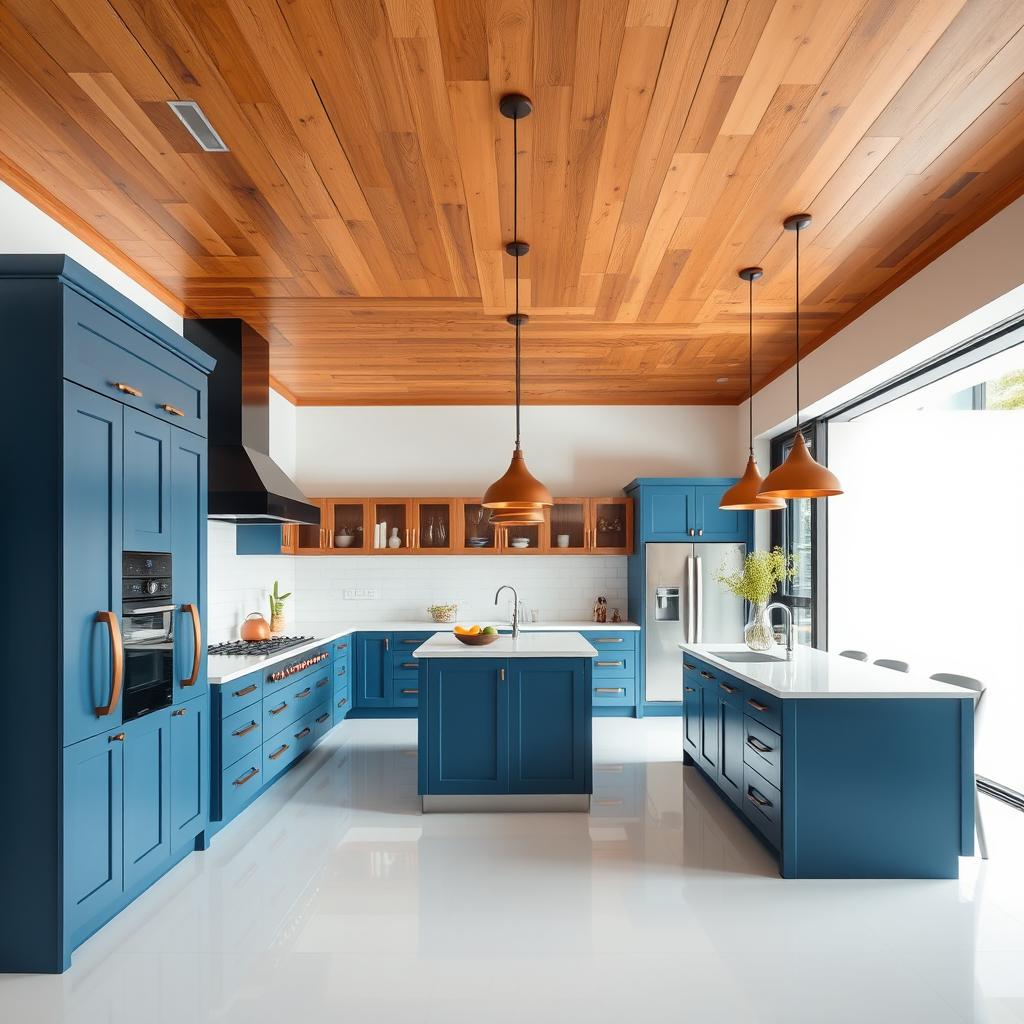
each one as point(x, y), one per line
point(223, 668)
point(814, 673)
point(548, 644)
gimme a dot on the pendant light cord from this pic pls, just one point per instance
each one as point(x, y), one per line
point(798, 329)
point(515, 238)
point(750, 360)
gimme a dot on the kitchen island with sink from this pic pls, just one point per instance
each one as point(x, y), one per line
point(507, 726)
point(845, 770)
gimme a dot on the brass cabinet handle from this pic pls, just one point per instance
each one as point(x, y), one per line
point(706, 675)
point(342, 702)
point(609, 664)
point(243, 779)
point(501, 674)
point(407, 536)
point(197, 641)
point(410, 691)
point(757, 798)
point(116, 662)
point(323, 682)
point(757, 705)
point(274, 755)
point(690, 689)
point(245, 730)
point(118, 737)
point(609, 689)
point(415, 536)
point(688, 666)
point(410, 664)
point(179, 713)
point(323, 718)
point(302, 735)
point(407, 641)
point(303, 693)
point(172, 410)
point(277, 711)
point(608, 640)
point(341, 647)
point(387, 643)
point(728, 688)
point(755, 744)
point(244, 690)
point(127, 389)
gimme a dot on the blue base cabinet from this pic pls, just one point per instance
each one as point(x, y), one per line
point(837, 787)
point(99, 807)
point(386, 680)
point(495, 726)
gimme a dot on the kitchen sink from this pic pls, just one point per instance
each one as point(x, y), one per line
point(745, 656)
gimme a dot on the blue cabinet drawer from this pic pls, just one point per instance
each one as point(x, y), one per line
point(405, 643)
point(240, 693)
point(762, 750)
point(406, 693)
point(323, 684)
point(323, 722)
point(608, 642)
point(240, 783)
point(240, 733)
point(614, 693)
point(342, 671)
point(283, 748)
point(293, 701)
point(762, 805)
point(342, 648)
point(288, 673)
point(108, 355)
point(342, 703)
point(615, 664)
point(763, 708)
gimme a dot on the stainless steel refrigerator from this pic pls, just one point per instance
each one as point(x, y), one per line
point(684, 603)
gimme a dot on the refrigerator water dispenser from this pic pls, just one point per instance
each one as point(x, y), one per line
point(666, 604)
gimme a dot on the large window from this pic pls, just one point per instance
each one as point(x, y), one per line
point(799, 530)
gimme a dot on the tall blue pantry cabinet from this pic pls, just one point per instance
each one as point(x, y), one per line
point(105, 453)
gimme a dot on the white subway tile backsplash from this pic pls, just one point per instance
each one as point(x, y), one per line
point(559, 587)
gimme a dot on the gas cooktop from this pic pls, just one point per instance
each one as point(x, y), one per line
point(247, 647)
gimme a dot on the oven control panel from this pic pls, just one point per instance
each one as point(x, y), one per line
point(145, 574)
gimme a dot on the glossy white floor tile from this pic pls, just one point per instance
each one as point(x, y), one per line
point(333, 899)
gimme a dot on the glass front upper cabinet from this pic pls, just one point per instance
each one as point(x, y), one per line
point(568, 526)
point(433, 525)
point(474, 532)
point(611, 526)
point(345, 522)
point(395, 515)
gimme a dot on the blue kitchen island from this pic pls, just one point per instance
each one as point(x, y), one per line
point(507, 726)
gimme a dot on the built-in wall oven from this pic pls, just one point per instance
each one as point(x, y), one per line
point(147, 625)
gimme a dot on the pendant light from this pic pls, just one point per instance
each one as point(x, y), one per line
point(742, 496)
point(518, 490)
point(799, 476)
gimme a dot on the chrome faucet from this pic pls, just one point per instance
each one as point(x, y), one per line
point(515, 607)
point(789, 625)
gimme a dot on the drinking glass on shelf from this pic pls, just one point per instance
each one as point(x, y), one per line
point(535, 615)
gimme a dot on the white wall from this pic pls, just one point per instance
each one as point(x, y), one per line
point(459, 450)
point(26, 229)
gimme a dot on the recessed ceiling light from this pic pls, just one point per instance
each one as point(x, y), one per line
point(198, 124)
point(722, 380)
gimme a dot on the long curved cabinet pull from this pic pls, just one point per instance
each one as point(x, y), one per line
point(197, 649)
point(127, 389)
point(171, 410)
point(116, 662)
point(243, 779)
point(274, 755)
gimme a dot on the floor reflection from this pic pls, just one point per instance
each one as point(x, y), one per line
point(332, 898)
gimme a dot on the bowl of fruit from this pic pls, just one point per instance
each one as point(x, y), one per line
point(474, 636)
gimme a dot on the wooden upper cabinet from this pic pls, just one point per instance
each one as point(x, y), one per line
point(347, 526)
point(397, 515)
point(568, 525)
point(610, 526)
point(474, 534)
point(434, 525)
point(524, 540)
point(311, 540)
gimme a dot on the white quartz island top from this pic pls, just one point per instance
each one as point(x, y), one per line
point(814, 673)
point(527, 645)
point(222, 668)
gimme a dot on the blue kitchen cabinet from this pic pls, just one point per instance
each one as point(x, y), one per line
point(549, 726)
point(91, 812)
point(666, 513)
point(91, 558)
point(692, 690)
point(730, 747)
point(93, 822)
point(469, 715)
point(709, 727)
point(188, 543)
point(147, 795)
point(373, 670)
point(681, 509)
point(713, 523)
point(190, 771)
point(147, 483)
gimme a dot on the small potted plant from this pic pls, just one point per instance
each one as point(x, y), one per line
point(277, 601)
point(759, 579)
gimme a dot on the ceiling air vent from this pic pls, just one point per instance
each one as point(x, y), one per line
point(192, 117)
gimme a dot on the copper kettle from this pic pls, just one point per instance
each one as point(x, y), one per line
point(255, 627)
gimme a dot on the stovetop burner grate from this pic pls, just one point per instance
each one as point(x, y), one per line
point(251, 647)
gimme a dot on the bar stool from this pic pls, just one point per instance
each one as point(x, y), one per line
point(856, 655)
point(896, 666)
point(978, 687)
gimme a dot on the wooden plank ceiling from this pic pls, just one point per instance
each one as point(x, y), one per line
point(359, 217)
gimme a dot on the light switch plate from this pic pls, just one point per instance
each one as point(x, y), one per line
point(360, 594)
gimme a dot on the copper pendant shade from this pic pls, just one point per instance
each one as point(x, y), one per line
point(743, 495)
point(518, 491)
point(799, 476)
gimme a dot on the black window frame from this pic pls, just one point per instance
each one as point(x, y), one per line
point(816, 437)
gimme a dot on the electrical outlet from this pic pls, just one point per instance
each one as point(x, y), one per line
point(360, 594)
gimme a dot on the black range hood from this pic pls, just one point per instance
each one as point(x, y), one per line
point(246, 486)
